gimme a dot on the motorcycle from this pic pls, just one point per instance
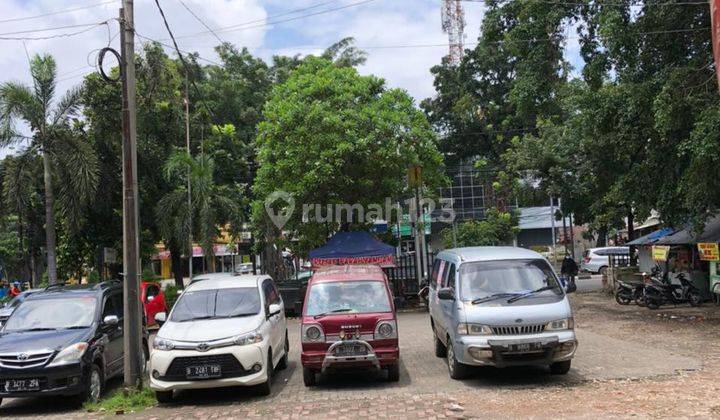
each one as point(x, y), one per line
point(658, 293)
point(628, 292)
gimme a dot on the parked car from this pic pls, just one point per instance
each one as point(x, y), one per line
point(499, 306)
point(153, 300)
point(13, 303)
point(64, 340)
point(597, 260)
point(227, 330)
point(244, 268)
point(349, 322)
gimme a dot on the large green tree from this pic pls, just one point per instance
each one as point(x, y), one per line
point(69, 162)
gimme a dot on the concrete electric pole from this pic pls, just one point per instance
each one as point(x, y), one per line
point(132, 324)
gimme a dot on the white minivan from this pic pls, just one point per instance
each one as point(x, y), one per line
point(499, 306)
point(224, 330)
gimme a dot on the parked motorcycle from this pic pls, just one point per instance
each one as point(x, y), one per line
point(628, 292)
point(658, 293)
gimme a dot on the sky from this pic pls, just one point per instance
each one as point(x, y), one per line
point(255, 24)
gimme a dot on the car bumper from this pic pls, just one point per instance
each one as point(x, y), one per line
point(240, 366)
point(60, 380)
point(377, 357)
point(496, 351)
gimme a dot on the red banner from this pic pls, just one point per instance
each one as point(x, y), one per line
point(381, 260)
point(715, 18)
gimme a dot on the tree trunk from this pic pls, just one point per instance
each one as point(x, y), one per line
point(49, 221)
point(176, 264)
point(602, 236)
point(631, 225)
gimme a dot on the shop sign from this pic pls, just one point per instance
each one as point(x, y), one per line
point(660, 252)
point(709, 251)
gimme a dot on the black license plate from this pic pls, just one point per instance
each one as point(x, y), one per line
point(351, 350)
point(203, 372)
point(525, 347)
point(22, 385)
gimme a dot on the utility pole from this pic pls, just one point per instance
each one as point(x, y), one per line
point(186, 100)
point(132, 323)
point(552, 227)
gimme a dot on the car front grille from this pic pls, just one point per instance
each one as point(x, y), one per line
point(24, 360)
point(230, 367)
point(518, 329)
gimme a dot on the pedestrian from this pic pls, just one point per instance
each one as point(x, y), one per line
point(568, 269)
point(3, 289)
point(14, 289)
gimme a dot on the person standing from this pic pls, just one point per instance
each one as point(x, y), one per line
point(568, 270)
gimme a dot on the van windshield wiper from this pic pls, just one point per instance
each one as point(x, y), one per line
point(336, 311)
point(493, 297)
point(34, 329)
point(530, 293)
point(199, 318)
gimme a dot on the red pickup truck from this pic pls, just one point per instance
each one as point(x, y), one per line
point(349, 322)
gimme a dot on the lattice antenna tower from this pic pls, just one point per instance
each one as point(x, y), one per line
point(453, 24)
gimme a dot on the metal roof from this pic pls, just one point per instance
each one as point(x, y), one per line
point(687, 236)
point(490, 253)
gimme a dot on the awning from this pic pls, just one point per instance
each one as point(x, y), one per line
point(353, 248)
point(687, 236)
point(219, 250)
point(653, 237)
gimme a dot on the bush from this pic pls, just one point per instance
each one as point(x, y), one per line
point(171, 294)
point(149, 275)
point(93, 277)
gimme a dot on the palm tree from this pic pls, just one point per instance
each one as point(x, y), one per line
point(210, 206)
point(66, 157)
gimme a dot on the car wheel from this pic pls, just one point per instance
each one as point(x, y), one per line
point(457, 370)
point(393, 372)
point(440, 349)
point(283, 364)
point(164, 397)
point(93, 386)
point(265, 388)
point(309, 377)
point(144, 357)
point(560, 368)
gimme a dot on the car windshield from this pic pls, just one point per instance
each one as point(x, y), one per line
point(16, 301)
point(365, 296)
point(53, 314)
point(508, 277)
point(216, 303)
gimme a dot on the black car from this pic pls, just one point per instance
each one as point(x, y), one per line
point(65, 340)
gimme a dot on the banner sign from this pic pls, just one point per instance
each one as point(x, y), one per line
point(715, 28)
point(660, 252)
point(709, 251)
point(381, 260)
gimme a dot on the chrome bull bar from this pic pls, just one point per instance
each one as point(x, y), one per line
point(331, 359)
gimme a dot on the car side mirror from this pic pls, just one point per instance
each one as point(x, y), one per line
point(160, 317)
point(150, 298)
point(273, 310)
point(446, 293)
point(110, 320)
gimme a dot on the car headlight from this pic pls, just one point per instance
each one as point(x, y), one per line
point(474, 329)
point(249, 338)
point(312, 333)
point(560, 324)
point(70, 354)
point(386, 329)
point(163, 344)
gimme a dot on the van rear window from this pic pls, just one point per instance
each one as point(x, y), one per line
point(348, 297)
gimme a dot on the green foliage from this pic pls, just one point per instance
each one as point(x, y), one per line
point(498, 228)
point(149, 275)
point(127, 402)
point(331, 136)
point(172, 292)
point(93, 277)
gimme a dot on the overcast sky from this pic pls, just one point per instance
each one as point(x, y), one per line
point(373, 23)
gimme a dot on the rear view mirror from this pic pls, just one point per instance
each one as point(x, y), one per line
point(150, 298)
point(110, 320)
point(273, 310)
point(446, 293)
point(160, 317)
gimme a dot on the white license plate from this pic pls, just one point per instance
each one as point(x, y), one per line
point(21, 385)
point(203, 372)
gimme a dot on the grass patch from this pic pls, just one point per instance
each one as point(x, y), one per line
point(119, 401)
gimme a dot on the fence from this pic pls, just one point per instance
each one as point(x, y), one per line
point(402, 276)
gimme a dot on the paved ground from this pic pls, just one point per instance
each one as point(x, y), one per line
point(630, 362)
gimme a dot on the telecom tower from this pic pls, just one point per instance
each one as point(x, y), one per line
point(453, 24)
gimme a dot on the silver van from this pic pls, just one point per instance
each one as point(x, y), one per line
point(499, 306)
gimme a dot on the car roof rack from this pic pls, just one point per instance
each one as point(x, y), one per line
point(55, 286)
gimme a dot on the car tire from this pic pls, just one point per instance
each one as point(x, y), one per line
point(560, 368)
point(457, 370)
point(309, 377)
point(93, 386)
point(440, 349)
point(283, 363)
point(393, 372)
point(164, 397)
point(265, 388)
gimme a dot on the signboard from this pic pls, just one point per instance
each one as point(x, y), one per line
point(660, 252)
point(109, 255)
point(709, 251)
point(715, 28)
point(415, 174)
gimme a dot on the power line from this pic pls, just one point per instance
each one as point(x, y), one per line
point(201, 21)
point(242, 26)
point(27, 31)
point(174, 49)
point(57, 12)
point(63, 35)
